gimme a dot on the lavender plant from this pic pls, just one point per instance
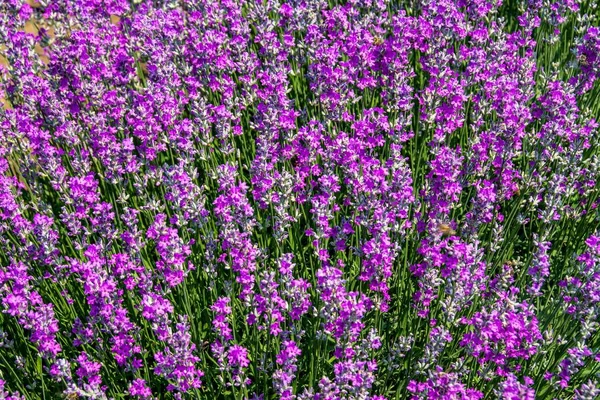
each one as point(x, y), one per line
point(299, 200)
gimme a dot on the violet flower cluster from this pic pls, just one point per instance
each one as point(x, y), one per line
point(299, 199)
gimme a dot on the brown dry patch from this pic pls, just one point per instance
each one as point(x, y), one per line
point(31, 27)
point(3, 60)
point(33, 3)
point(5, 104)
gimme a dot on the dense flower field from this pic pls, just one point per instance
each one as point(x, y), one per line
point(299, 199)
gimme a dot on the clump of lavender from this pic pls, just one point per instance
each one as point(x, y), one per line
point(299, 200)
point(504, 332)
point(581, 290)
